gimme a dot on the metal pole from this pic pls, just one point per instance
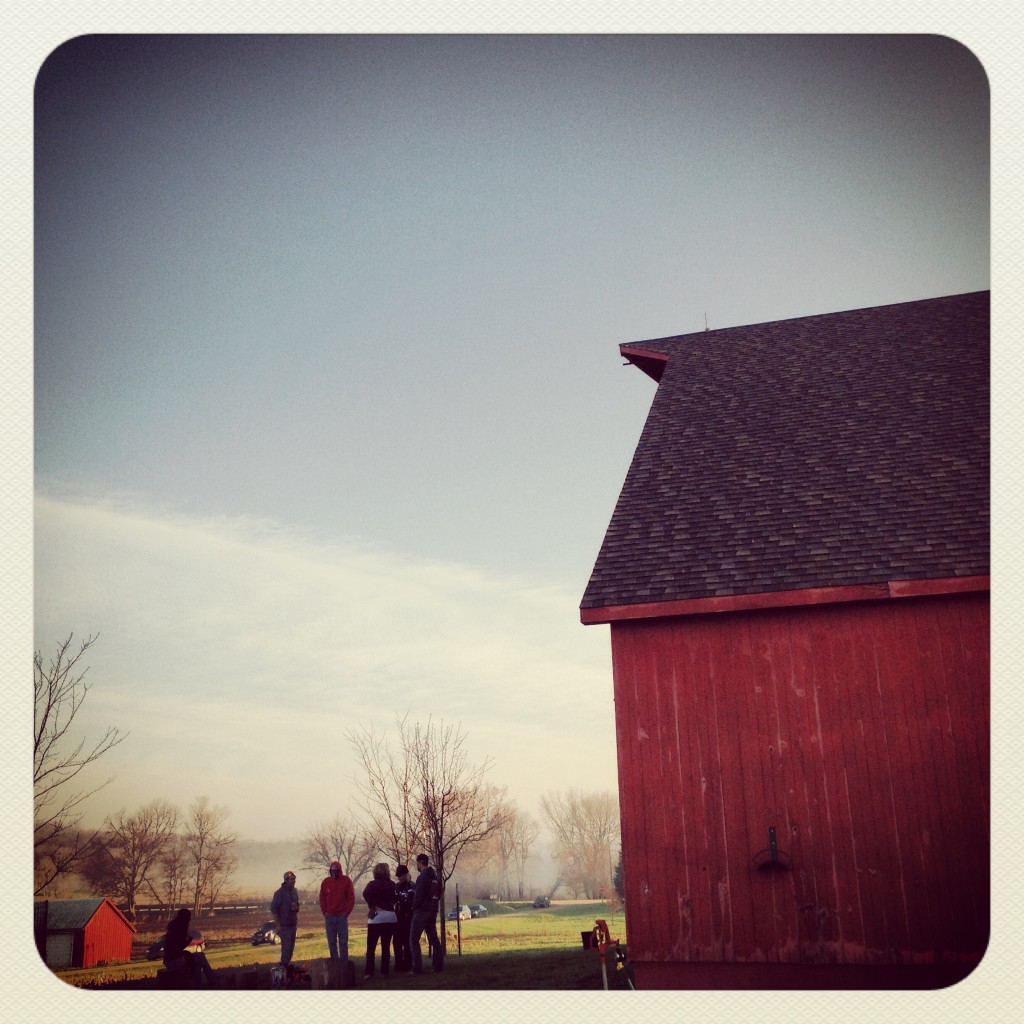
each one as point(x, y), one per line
point(458, 917)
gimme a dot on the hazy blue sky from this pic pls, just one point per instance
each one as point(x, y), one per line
point(330, 417)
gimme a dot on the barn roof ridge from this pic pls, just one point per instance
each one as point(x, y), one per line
point(703, 333)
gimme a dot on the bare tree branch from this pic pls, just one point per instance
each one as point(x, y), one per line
point(128, 851)
point(386, 794)
point(60, 691)
point(209, 849)
point(341, 841)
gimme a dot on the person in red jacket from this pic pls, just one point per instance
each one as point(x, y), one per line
point(337, 898)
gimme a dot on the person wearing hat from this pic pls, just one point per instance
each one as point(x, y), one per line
point(337, 898)
point(285, 908)
point(196, 949)
point(404, 893)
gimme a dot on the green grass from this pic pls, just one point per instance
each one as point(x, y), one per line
point(530, 949)
point(514, 947)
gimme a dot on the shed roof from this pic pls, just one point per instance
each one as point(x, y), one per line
point(834, 450)
point(67, 915)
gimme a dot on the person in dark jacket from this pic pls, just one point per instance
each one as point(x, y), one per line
point(176, 938)
point(404, 892)
point(425, 902)
point(175, 941)
point(380, 919)
point(285, 908)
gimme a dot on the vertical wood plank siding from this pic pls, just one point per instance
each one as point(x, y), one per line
point(859, 732)
point(107, 937)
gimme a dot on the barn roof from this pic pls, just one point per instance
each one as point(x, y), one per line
point(834, 450)
point(67, 915)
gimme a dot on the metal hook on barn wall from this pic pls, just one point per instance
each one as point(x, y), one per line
point(772, 858)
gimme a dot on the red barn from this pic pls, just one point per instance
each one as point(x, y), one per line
point(82, 933)
point(796, 577)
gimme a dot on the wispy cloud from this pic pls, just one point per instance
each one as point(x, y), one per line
point(238, 652)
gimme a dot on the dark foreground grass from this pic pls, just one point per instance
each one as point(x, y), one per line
point(512, 970)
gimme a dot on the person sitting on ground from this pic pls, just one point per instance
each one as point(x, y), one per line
point(196, 949)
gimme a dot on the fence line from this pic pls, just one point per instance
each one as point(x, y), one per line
point(219, 908)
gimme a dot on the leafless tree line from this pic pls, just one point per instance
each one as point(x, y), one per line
point(586, 831)
point(501, 856)
point(498, 863)
point(157, 854)
point(417, 792)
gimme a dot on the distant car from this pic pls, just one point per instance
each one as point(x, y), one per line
point(542, 901)
point(156, 951)
point(460, 914)
point(478, 910)
point(266, 933)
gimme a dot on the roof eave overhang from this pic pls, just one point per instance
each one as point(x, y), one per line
point(785, 599)
point(652, 363)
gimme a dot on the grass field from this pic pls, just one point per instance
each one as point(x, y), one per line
point(514, 947)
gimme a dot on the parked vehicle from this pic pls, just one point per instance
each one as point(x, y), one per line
point(155, 951)
point(266, 933)
point(478, 910)
point(460, 914)
point(542, 901)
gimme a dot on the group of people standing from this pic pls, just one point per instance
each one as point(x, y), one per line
point(398, 914)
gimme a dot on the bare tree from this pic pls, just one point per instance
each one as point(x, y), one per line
point(483, 864)
point(426, 794)
point(342, 841)
point(585, 827)
point(128, 850)
point(386, 789)
point(169, 886)
point(222, 867)
point(518, 840)
point(60, 689)
point(208, 850)
point(457, 809)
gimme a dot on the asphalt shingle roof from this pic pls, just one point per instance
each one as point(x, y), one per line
point(840, 449)
point(68, 914)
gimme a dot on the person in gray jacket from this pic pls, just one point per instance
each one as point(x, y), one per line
point(425, 902)
point(285, 908)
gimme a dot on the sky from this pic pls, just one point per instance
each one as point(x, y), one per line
point(329, 415)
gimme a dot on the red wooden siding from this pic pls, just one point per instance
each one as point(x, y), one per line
point(108, 936)
point(859, 732)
